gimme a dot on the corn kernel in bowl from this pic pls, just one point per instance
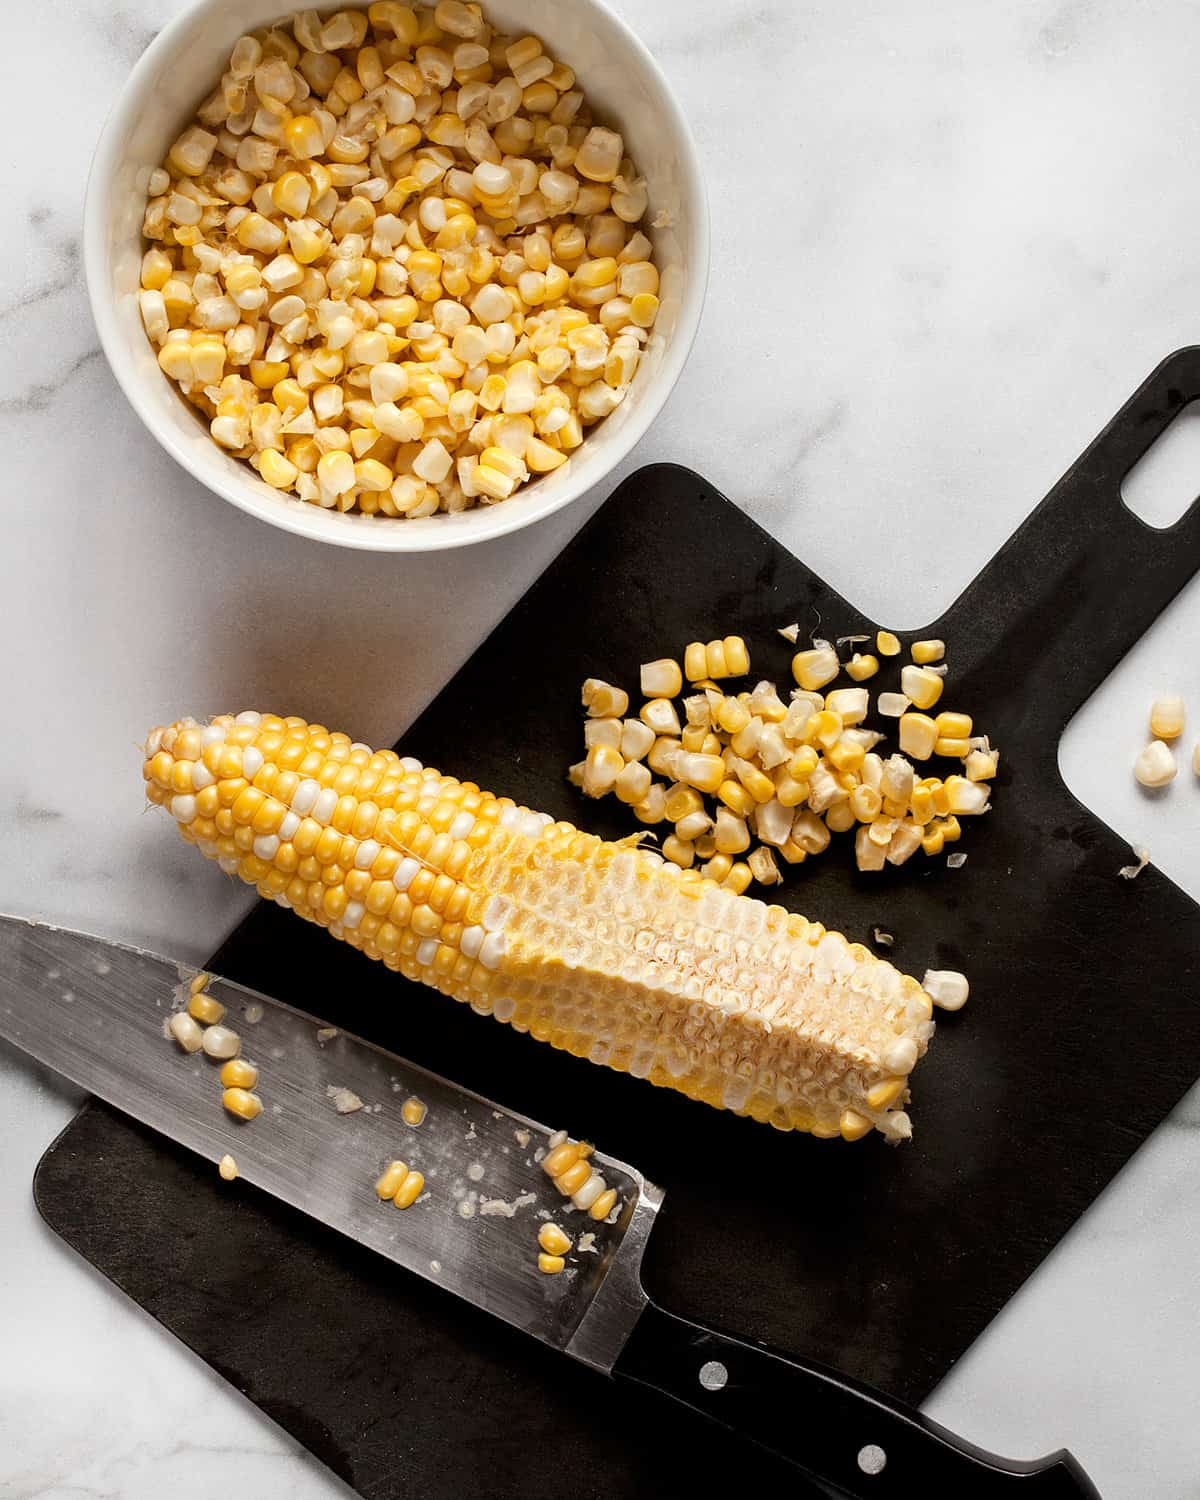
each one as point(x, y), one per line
point(395, 263)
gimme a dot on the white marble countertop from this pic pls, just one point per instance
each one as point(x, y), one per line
point(948, 242)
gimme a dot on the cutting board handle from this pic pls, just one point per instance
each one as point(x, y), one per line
point(838, 1432)
point(1084, 578)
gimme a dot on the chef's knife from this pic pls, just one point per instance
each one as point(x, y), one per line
point(96, 1012)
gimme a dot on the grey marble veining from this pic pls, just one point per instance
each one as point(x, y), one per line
point(948, 241)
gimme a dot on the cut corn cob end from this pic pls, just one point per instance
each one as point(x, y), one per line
point(600, 949)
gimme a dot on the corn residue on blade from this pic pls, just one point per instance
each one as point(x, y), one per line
point(603, 950)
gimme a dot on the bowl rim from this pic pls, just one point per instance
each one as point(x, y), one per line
point(398, 536)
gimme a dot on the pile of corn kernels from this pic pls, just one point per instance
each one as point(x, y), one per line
point(787, 775)
point(395, 263)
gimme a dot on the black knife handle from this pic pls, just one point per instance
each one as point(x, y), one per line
point(832, 1428)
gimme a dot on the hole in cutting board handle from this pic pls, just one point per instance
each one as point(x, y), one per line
point(1165, 481)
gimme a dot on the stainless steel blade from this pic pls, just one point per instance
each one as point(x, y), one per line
point(96, 1011)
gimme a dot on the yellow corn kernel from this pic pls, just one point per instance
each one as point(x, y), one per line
point(921, 805)
point(553, 1241)
point(846, 755)
point(303, 138)
point(205, 1009)
point(695, 661)
point(885, 1094)
point(571, 1180)
point(954, 726)
point(789, 792)
point(736, 798)
point(540, 458)
point(922, 687)
point(276, 470)
point(933, 840)
point(550, 1265)
point(981, 765)
point(732, 716)
point(681, 852)
point(757, 783)
point(242, 1103)
point(840, 817)
point(643, 309)
point(953, 749)
point(803, 763)
point(951, 829)
point(704, 772)
point(825, 728)
point(813, 669)
point(887, 644)
point(413, 1111)
point(563, 1156)
point(739, 877)
point(603, 1205)
point(390, 1182)
point(291, 194)
point(860, 668)
point(865, 803)
point(409, 1190)
point(238, 1073)
point(156, 269)
point(681, 801)
point(737, 656)
point(924, 652)
point(852, 1126)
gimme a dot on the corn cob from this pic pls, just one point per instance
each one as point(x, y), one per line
point(600, 949)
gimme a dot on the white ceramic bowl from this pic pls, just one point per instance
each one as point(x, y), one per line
point(181, 66)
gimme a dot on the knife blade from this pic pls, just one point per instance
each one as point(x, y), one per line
point(96, 1012)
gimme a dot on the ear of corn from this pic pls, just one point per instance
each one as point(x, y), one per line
point(600, 949)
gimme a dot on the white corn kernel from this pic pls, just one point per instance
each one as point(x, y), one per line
point(221, 1042)
point(1155, 766)
point(186, 1031)
point(661, 679)
point(947, 988)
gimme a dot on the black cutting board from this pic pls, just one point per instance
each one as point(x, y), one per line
point(886, 1263)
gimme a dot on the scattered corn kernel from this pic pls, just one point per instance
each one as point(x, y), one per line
point(1155, 766)
point(604, 1204)
point(813, 669)
point(185, 1031)
point(860, 668)
point(227, 1168)
point(242, 1103)
point(237, 1073)
point(661, 679)
point(205, 1009)
point(947, 988)
point(409, 1190)
point(1166, 718)
point(918, 735)
point(887, 644)
point(550, 1265)
point(389, 1183)
point(553, 1241)
point(925, 652)
point(221, 1042)
point(922, 687)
